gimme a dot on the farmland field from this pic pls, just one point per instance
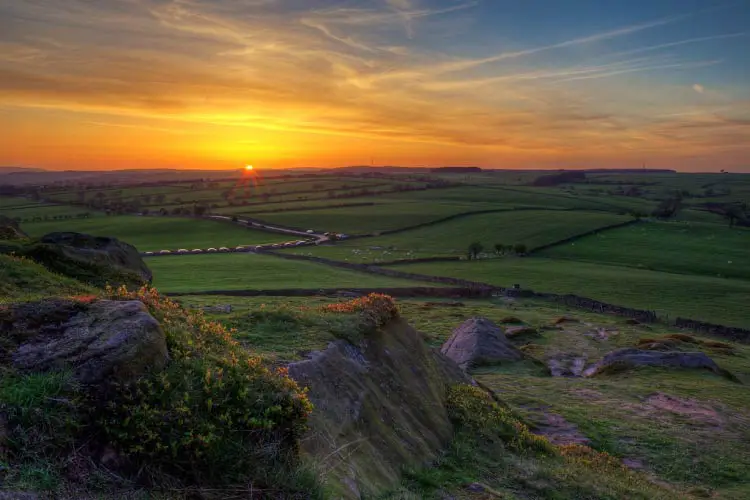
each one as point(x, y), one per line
point(30, 211)
point(532, 228)
point(708, 249)
point(248, 271)
point(157, 233)
point(366, 219)
point(704, 298)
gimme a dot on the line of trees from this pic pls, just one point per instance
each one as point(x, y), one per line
point(476, 248)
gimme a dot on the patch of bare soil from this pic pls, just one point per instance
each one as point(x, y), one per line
point(554, 427)
point(694, 410)
point(601, 334)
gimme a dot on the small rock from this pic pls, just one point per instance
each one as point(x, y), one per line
point(566, 319)
point(476, 488)
point(479, 341)
point(517, 331)
point(629, 358)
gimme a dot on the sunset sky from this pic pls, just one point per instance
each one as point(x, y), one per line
point(103, 84)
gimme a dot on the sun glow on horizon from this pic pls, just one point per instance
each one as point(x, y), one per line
point(248, 167)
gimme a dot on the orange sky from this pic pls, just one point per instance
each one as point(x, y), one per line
point(192, 84)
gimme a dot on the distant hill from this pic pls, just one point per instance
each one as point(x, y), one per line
point(10, 169)
point(629, 171)
point(456, 170)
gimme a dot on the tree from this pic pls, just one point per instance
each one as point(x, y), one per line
point(520, 249)
point(500, 249)
point(475, 249)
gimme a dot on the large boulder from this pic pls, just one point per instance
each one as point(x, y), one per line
point(479, 341)
point(629, 358)
point(102, 341)
point(380, 407)
point(92, 259)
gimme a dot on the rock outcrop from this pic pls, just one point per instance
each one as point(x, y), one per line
point(379, 407)
point(94, 260)
point(104, 340)
point(479, 341)
point(629, 358)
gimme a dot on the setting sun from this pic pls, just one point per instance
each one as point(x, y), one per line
point(248, 167)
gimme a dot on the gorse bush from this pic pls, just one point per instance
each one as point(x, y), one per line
point(472, 409)
point(216, 414)
point(373, 310)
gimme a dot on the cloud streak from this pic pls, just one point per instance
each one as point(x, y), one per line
point(254, 74)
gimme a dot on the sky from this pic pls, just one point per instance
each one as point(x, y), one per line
point(110, 84)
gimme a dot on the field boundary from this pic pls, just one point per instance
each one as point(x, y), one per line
point(405, 292)
point(577, 237)
point(576, 301)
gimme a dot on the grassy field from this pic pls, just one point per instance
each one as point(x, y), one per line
point(158, 233)
point(705, 298)
point(366, 219)
point(694, 248)
point(30, 211)
point(243, 271)
point(680, 427)
point(532, 228)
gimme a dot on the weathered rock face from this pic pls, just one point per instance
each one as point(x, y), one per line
point(101, 341)
point(629, 358)
point(91, 259)
point(479, 341)
point(379, 407)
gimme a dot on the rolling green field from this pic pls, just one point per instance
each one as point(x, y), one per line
point(247, 271)
point(160, 233)
point(706, 249)
point(27, 210)
point(367, 219)
point(532, 228)
point(705, 298)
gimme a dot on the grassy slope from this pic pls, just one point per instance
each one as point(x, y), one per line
point(694, 444)
point(532, 228)
point(242, 271)
point(708, 249)
point(684, 448)
point(22, 279)
point(704, 298)
point(157, 233)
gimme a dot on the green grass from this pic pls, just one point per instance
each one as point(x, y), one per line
point(29, 211)
point(160, 233)
point(367, 219)
point(532, 228)
point(690, 248)
point(244, 271)
point(7, 202)
point(22, 279)
point(705, 298)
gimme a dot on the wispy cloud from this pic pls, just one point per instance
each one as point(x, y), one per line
point(311, 76)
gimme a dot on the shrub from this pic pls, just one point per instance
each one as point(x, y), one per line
point(373, 310)
point(472, 409)
point(216, 414)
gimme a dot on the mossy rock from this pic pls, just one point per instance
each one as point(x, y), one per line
point(94, 260)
